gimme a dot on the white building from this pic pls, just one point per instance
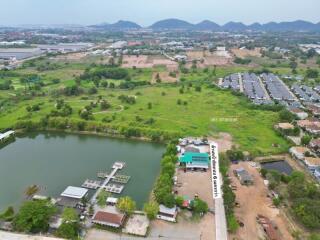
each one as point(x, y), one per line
point(167, 214)
point(74, 192)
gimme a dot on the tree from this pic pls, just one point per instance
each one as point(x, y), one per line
point(34, 216)
point(179, 201)
point(102, 198)
point(126, 205)
point(312, 73)
point(69, 215)
point(314, 236)
point(169, 200)
point(305, 140)
point(68, 230)
point(151, 209)
point(199, 206)
point(8, 214)
point(198, 88)
point(286, 116)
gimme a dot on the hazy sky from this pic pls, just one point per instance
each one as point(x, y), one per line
point(146, 12)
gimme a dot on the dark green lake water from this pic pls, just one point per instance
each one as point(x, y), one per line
point(56, 160)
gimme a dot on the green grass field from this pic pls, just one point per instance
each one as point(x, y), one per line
point(206, 113)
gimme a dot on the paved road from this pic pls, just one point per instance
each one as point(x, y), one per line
point(220, 216)
point(240, 83)
point(264, 89)
point(16, 236)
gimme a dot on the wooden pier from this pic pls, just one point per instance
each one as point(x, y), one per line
point(114, 188)
point(105, 185)
point(121, 179)
point(91, 184)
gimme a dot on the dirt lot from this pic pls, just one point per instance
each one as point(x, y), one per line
point(190, 186)
point(253, 200)
point(143, 61)
point(71, 56)
point(243, 53)
point(140, 61)
point(165, 77)
point(224, 141)
point(209, 59)
point(183, 230)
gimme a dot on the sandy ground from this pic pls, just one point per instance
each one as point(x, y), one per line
point(242, 53)
point(183, 230)
point(165, 78)
point(71, 56)
point(195, 55)
point(143, 61)
point(140, 61)
point(253, 200)
point(16, 236)
point(209, 59)
point(199, 183)
point(224, 141)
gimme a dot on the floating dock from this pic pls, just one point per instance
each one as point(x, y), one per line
point(114, 188)
point(106, 185)
point(91, 184)
point(121, 179)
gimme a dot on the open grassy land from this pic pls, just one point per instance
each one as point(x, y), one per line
point(191, 107)
point(200, 113)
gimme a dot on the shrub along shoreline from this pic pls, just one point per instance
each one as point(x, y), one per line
point(93, 128)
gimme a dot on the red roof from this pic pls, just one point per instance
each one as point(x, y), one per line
point(109, 217)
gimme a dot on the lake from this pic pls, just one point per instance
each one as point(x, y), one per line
point(280, 166)
point(57, 160)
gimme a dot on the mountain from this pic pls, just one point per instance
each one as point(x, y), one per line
point(255, 27)
point(172, 24)
point(290, 26)
point(125, 25)
point(207, 25)
point(234, 26)
point(120, 25)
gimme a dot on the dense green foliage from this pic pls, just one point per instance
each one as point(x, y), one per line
point(126, 205)
point(243, 61)
point(68, 231)
point(199, 207)
point(34, 216)
point(8, 214)
point(102, 198)
point(305, 198)
point(105, 72)
point(163, 187)
point(151, 209)
point(70, 226)
point(229, 197)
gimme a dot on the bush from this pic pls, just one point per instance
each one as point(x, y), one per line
point(151, 209)
point(33, 216)
point(8, 214)
point(243, 61)
point(200, 207)
point(68, 231)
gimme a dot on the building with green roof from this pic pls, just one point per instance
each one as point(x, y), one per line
point(195, 160)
